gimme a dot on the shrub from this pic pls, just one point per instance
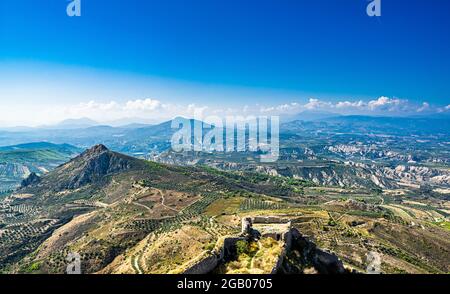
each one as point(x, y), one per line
point(241, 247)
point(210, 246)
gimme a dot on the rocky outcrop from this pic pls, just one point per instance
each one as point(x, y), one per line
point(101, 165)
point(92, 165)
point(323, 262)
point(287, 237)
point(352, 204)
point(32, 179)
point(327, 263)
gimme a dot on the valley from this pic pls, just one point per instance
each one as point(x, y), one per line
point(128, 215)
point(349, 187)
point(19, 161)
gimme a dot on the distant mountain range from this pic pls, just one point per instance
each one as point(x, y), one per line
point(140, 138)
point(373, 124)
point(309, 116)
point(75, 124)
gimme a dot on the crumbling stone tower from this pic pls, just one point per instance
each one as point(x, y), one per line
point(246, 225)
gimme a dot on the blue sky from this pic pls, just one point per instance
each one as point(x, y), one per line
point(225, 53)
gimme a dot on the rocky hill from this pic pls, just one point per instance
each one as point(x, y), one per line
point(90, 166)
point(324, 172)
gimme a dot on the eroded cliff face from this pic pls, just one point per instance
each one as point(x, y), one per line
point(393, 172)
point(343, 174)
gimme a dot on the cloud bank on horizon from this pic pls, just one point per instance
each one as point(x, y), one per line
point(382, 106)
point(154, 111)
point(53, 94)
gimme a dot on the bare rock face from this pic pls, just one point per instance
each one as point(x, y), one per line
point(323, 262)
point(32, 179)
point(352, 204)
point(93, 164)
point(327, 263)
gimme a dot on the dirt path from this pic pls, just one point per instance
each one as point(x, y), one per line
point(342, 215)
point(136, 264)
point(142, 205)
point(163, 200)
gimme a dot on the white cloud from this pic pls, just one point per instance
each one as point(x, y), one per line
point(379, 106)
point(443, 109)
point(347, 104)
point(92, 105)
point(154, 110)
point(425, 106)
point(281, 108)
point(388, 104)
point(143, 105)
point(316, 104)
point(148, 109)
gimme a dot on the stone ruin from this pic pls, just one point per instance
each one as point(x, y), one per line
point(266, 226)
point(281, 230)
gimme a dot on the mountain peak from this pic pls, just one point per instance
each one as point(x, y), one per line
point(32, 179)
point(90, 167)
point(100, 148)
